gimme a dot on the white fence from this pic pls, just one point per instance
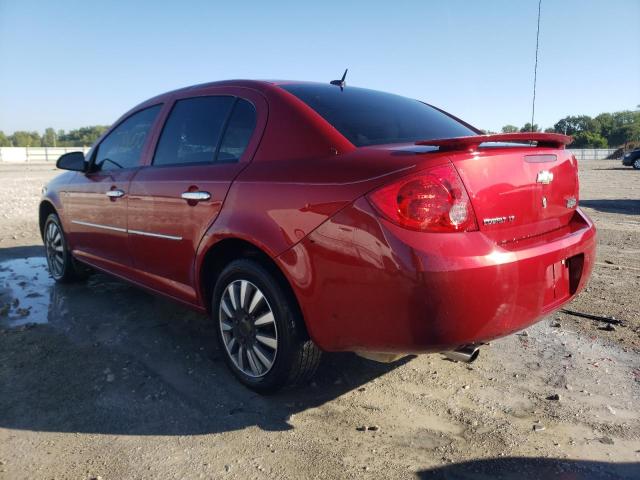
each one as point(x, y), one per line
point(36, 154)
point(592, 153)
point(51, 154)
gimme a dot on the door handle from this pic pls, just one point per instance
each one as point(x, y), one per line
point(196, 196)
point(115, 193)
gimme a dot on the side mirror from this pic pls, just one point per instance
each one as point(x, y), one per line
point(72, 161)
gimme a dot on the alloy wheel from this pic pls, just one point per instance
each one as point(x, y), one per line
point(248, 328)
point(54, 247)
point(636, 163)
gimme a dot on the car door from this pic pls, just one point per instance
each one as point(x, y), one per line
point(205, 142)
point(97, 202)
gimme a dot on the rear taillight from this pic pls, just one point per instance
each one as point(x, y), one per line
point(432, 200)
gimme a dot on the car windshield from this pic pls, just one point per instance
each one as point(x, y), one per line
point(369, 117)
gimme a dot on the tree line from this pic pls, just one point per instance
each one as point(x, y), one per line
point(80, 137)
point(605, 130)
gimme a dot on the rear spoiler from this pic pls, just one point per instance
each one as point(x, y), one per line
point(554, 140)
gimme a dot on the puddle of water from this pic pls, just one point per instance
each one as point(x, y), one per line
point(25, 291)
point(101, 309)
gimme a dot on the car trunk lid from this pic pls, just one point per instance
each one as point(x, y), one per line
point(517, 191)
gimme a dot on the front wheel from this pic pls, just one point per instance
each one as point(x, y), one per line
point(260, 328)
point(62, 267)
point(636, 163)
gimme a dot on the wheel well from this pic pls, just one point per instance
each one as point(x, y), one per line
point(228, 250)
point(45, 210)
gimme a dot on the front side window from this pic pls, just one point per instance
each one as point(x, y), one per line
point(368, 117)
point(122, 148)
point(192, 132)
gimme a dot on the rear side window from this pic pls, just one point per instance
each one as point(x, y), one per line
point(238, 133)
point(368, 117)
point(192, 132)
point(122, 148)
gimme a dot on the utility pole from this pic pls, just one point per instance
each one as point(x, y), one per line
point(535, 68)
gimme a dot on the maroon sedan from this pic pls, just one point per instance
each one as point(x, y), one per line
point(305, 217)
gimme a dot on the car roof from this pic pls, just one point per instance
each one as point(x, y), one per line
point(259, 85)
point(263, 86)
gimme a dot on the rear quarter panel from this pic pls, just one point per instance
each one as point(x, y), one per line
point(276, 204)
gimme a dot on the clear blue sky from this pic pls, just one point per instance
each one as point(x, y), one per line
point(68, 64)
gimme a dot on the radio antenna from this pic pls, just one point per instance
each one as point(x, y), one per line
point(340, 83)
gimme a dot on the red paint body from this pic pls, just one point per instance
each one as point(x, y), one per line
point(298, 194)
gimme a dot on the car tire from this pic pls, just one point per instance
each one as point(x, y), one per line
point(260, 328)
point(636, 163)
point(63, 268)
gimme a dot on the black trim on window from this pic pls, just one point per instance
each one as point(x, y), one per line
point(225, 125)
point(240, 102)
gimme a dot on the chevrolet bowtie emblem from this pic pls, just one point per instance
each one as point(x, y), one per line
point(545, 177)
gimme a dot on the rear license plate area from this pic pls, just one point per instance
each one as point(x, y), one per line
point(557, 282)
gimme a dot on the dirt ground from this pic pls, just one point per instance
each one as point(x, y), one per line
point(103, 380)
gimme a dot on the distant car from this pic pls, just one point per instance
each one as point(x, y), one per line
point(305, 217)
point(632, 159)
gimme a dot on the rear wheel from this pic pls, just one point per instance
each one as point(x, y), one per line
point(62, 267)
point(260, 329)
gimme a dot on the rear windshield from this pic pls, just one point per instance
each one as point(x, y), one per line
point(368, 117)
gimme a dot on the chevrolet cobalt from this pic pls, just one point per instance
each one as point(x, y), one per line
point(306, 217)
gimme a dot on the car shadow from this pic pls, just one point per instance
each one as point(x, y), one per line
point(106, 357)
point(623, 206)
point(518, 468)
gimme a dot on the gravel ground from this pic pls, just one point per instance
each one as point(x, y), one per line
point(102, 380)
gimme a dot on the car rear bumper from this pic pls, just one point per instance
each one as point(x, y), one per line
point(364, 284)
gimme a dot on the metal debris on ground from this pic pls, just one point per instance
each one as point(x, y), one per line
point(599, 318)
